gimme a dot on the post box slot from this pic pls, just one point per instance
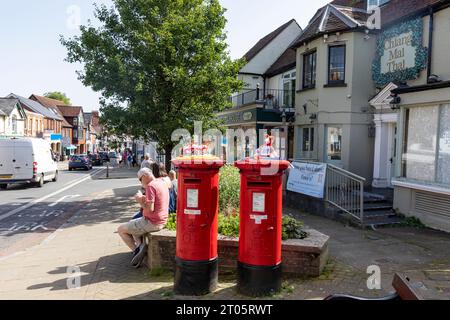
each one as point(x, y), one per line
point(192, 181)
point(258, 184)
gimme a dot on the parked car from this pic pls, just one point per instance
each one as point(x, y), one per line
point(96, 159)
point(113, 158)
point(104, 156)
point(80, 162)
point(26, 160)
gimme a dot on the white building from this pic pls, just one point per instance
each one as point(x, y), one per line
point(12, 118)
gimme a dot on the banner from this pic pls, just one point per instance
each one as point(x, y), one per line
point(308, 179)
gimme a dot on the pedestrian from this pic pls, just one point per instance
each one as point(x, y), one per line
point(155, 206)
point(134, 160)
point(173, 192)
point(147, 162)
point(129, 160)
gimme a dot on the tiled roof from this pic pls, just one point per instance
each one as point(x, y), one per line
point(262, 43)
point(52, 105)
point(7, 105)
point(285, 62)
point(396, 10)
point(37, 107)
point(333, 18)
point(70, 111)
point(361, 4)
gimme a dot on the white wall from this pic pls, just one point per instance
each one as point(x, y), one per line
point(267, 56)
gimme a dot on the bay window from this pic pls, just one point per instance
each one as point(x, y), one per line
point(426, 144)
point(336, 64)
point(309, 70)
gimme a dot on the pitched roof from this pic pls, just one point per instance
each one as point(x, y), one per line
point(7, 105)
point(37, 107)
point(285, 62)
point(70, 111)
point(395, 10)
point(52, 105)
point(333, 18)
point(47, 102)
point(262, 43)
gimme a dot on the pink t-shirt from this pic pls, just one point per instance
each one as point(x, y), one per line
point(158, 192)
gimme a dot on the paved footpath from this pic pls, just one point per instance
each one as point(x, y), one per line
point(88, 243)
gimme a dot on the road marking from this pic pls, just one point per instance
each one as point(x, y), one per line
point(28, 205)
point(63, 198)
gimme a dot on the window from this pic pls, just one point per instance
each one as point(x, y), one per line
point(309, 70)
point(426, 148)
point(289, 90)
point(75, 121)
point(75, 133)
point(336, 64)
point(14, 124)
point(334, 143)
point(377, 3)
point(308, 139)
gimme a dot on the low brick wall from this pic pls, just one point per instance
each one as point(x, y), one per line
point(300, 257)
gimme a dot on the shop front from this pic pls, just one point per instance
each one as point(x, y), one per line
point(246, 127)
point(423, 186)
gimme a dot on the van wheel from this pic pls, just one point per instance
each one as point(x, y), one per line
point(3, 186)
point(56, 177)
point(40, 183)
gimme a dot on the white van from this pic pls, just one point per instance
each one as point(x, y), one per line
point(26, 160)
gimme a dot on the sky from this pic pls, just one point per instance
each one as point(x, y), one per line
point(32, 58)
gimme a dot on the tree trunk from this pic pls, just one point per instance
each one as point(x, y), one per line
point(168, 152)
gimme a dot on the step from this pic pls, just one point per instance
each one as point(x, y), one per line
point(379, 213)
point(378, 206)
point(383, 221)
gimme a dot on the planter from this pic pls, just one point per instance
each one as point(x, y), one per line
point(300, 257)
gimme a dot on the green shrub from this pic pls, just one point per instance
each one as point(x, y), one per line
point(228, 225)
point(293, 229)
point(229, 190)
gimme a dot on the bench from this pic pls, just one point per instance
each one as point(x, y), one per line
point(403, 291)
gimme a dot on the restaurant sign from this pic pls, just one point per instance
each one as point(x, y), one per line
point(400, 55)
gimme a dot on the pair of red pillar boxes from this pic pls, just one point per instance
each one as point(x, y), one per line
point(259, 260)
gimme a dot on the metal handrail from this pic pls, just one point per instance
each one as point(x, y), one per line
point(344, 190)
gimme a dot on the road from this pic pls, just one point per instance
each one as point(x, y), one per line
point(30, 214)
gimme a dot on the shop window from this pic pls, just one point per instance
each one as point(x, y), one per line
point(334, 143)
point(443, 161)
point(308, 139)
point(419, 154)
point(336, 64)
point(309, 70)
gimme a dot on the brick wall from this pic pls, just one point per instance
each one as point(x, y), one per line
point(300, 257)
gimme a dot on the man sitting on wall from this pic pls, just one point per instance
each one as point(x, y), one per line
point(155, 204)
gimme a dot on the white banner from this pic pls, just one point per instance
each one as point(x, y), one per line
point(308, 179)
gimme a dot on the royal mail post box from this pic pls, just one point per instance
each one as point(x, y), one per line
point(196, 271)
point(259, 260)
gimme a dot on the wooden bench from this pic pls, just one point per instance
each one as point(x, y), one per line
point(403, 291)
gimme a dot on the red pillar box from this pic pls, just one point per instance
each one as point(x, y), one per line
point(259, 262)
point(196, 271)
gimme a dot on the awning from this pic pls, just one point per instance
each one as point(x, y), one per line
point(71, 147)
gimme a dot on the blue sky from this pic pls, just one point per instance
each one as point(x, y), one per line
point(32, 58)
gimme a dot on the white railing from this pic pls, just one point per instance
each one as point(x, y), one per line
point(344, 190)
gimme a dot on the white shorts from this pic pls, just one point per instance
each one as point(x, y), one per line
point(141, 226)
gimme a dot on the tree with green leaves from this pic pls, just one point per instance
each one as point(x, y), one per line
point(61, 96)
point(160, 65)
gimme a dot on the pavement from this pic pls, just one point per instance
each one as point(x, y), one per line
point(85, 258)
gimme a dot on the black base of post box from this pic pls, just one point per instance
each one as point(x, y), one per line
point(196, 278)
point(258, 281)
